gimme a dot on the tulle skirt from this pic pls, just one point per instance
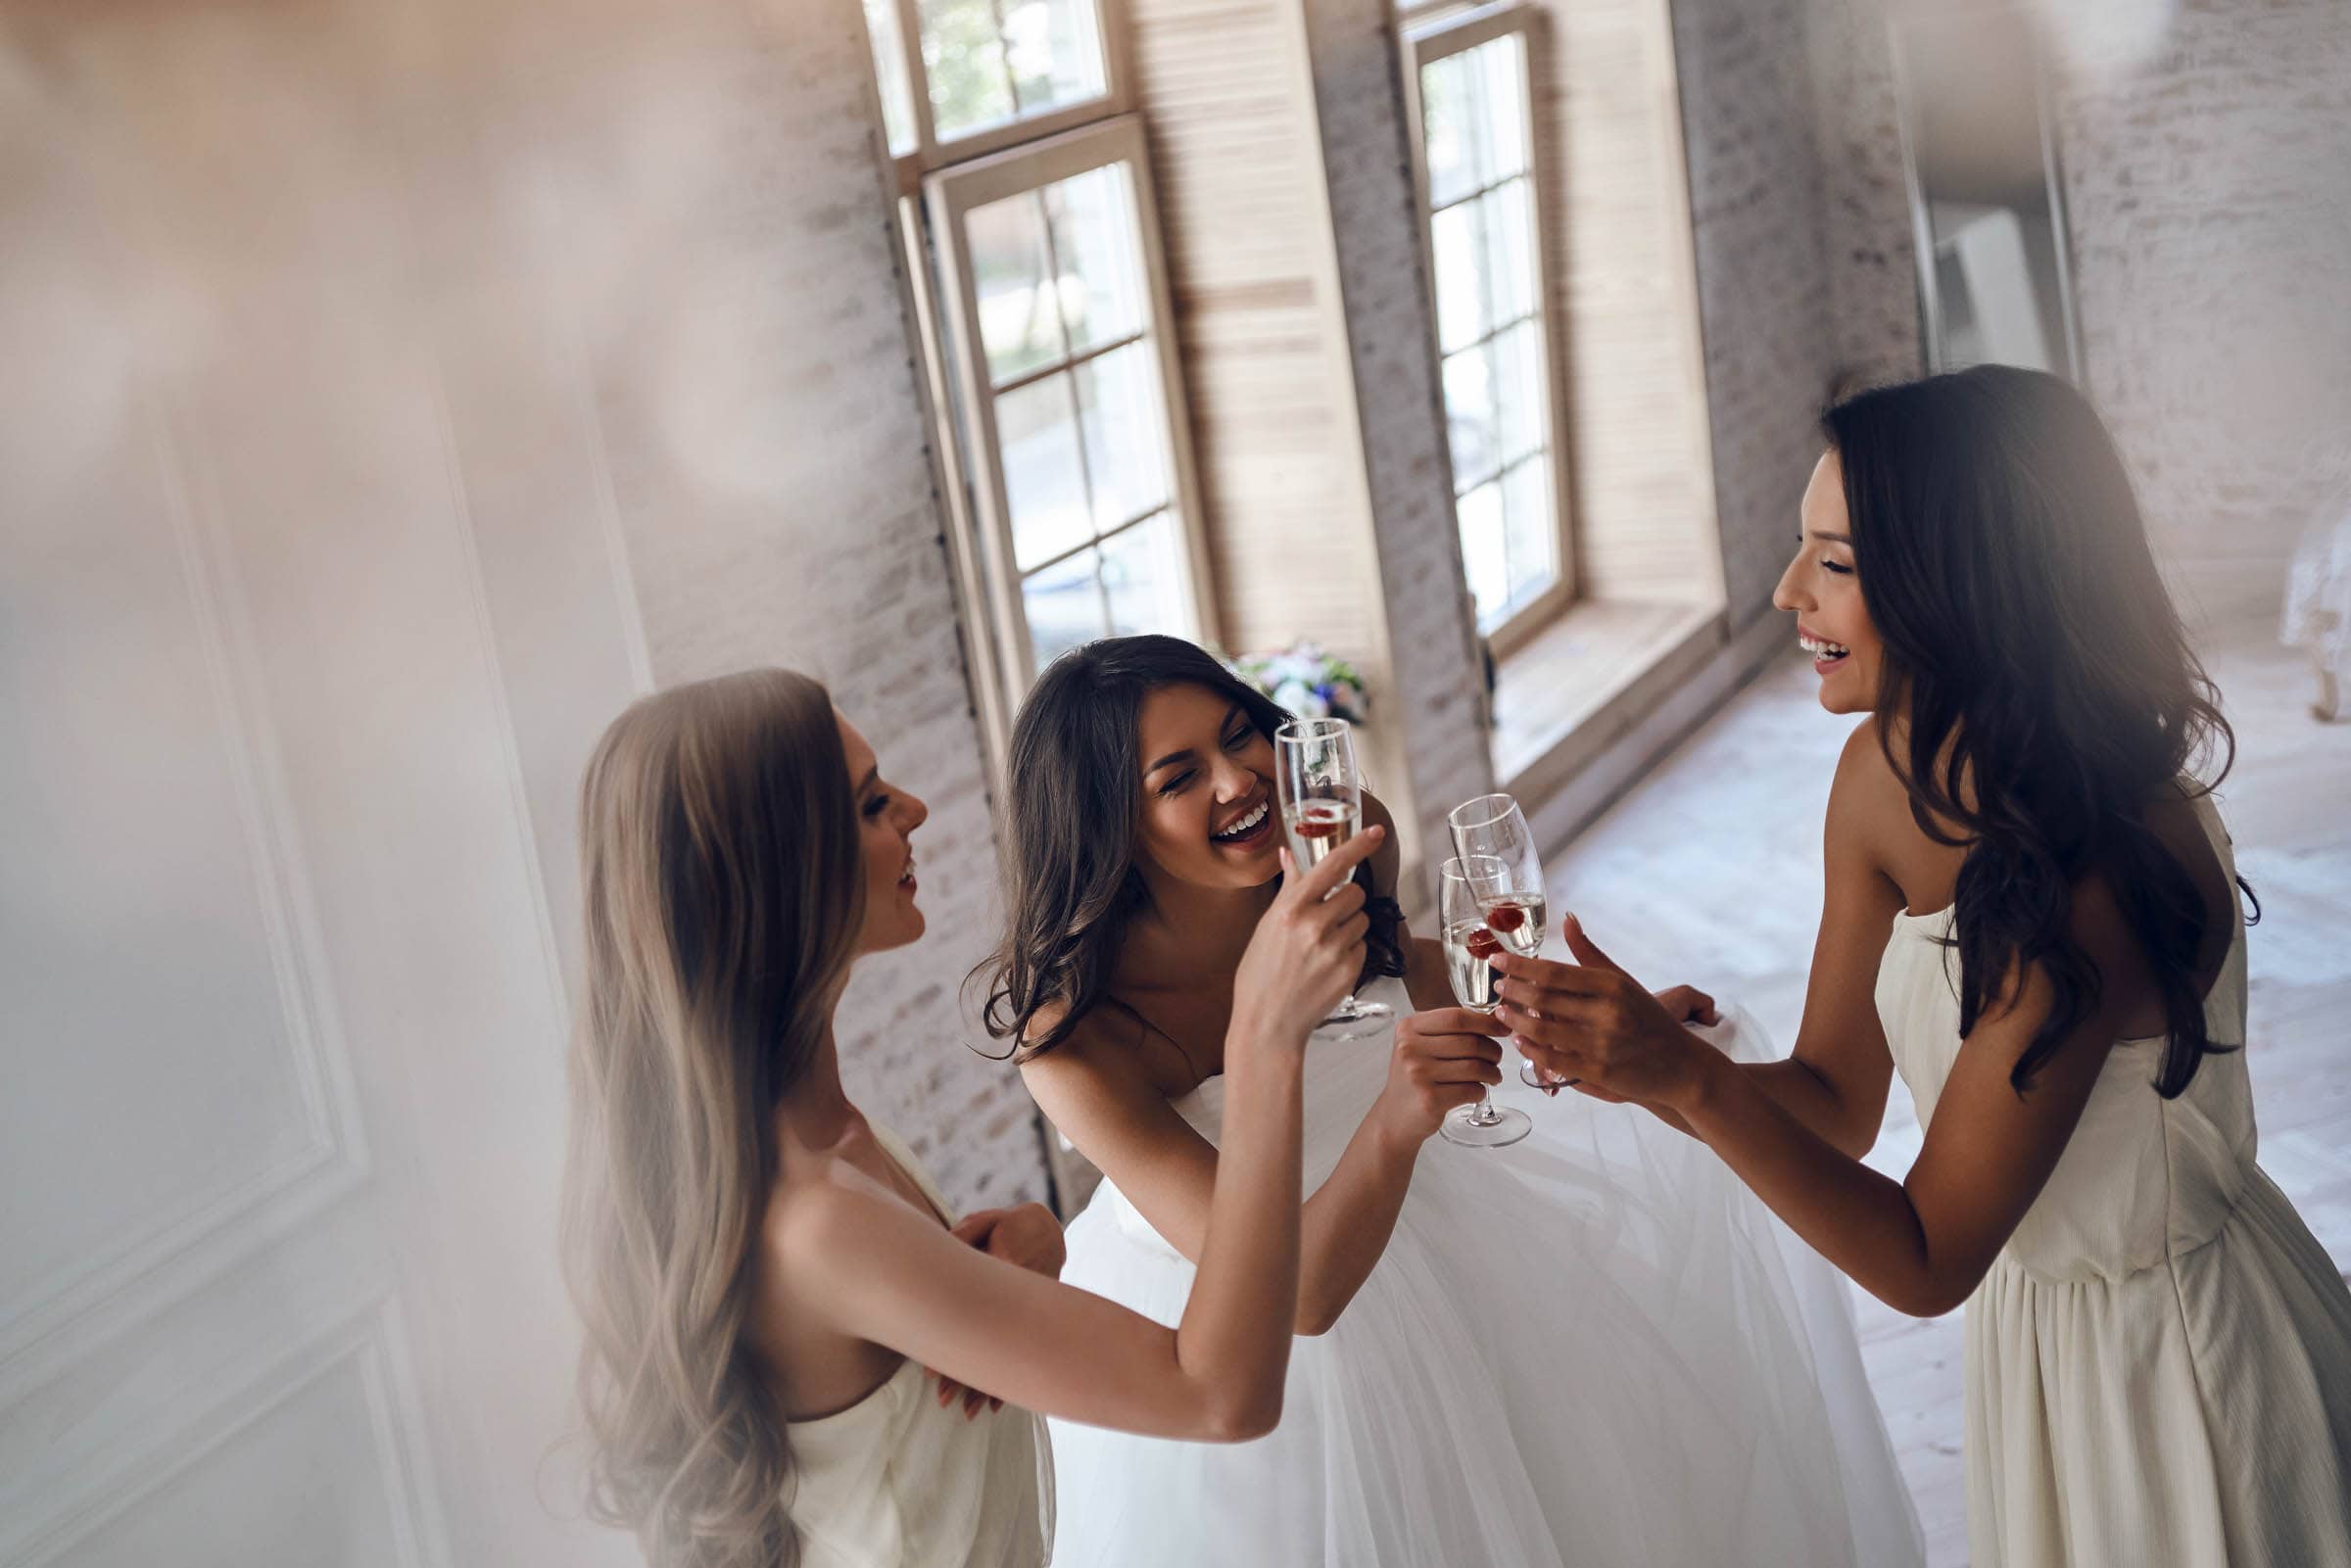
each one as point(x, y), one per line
point(1592, 1347)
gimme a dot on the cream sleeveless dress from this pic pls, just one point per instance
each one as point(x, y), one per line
point(897, 1482)
point(2159, 1363)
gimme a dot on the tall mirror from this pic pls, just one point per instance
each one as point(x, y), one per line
point(1987, 205)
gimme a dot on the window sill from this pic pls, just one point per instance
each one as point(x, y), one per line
point(1584, 681)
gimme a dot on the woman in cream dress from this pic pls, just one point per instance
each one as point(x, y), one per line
point(2032, 913)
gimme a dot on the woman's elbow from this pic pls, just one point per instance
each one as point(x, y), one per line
point(1927, 1298)
point(1855, 1140)
point(1316, 1318)
point(1244, 1415)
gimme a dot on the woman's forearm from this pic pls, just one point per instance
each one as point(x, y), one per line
point(1816, 1102)
point(1804, 1095)
point(1858, 1219)
point(1236, 1331)
point(1348, 1220)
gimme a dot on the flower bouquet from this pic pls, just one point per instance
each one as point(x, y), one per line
point(1310, 683)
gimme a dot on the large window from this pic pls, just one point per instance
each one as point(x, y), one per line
point(1472, 83)
point(1055, 315)
point(1032, 239)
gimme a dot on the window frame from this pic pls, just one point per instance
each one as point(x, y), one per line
point(1437, 31)
point(994, 579)
point(929, 154)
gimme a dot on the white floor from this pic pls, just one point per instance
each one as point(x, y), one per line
point(1709, 872)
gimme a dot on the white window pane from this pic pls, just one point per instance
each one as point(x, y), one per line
point(1036, 438)
point(1498, 72)
point(1530, 529)
point(1470, 427)
point(890, 69)
point(1456, 237)
point(1119, 410)
point(1055, 50)
point(1509, 256)
point(1450, 127)
point(1063, 606)
point(1142, 576)
point(1018, 321)
point(963, 55)
point(1097, 245)
point(1522, 405)
point(1484, 555)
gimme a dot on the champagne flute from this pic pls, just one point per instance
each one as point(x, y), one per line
point(1322, 805)
point(1494, 842)
point(1468, 945)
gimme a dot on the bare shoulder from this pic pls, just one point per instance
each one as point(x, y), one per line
point(817, 1234)
point(1869, 810)
point(1098, 1058)
point(1864, 777)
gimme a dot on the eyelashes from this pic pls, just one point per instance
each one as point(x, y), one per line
point(1183, 781)
point(1841, 571)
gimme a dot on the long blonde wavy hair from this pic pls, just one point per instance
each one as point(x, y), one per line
point(719, 845)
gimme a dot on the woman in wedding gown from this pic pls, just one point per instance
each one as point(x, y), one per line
point(765, 1276)
point(1591, 1348)
point(2032, 914)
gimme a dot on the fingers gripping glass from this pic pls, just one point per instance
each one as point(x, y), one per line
point(1469, 944)
point(1322, 805)
point(1492, 832)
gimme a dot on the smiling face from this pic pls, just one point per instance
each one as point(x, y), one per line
point(887, 818)
point(1821, 589)
point(1209, 814)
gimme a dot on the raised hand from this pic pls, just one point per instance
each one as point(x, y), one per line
point(1444, 1058)
point(1308, 947)
point(1592, 1024)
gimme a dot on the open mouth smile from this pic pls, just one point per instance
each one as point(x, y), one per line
point(1253, 828)
point(1826, 656)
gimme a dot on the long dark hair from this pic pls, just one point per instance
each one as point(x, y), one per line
point(718, 837)
point(2049, 693)
point(1071, 821)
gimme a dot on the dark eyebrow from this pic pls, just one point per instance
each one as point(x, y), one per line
point(873, 775)
point(1187, 754)
point(1833, 538)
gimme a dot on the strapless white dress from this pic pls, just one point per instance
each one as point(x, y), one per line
point(2159, 1361)
point(894, 1481)
point(1590, 1348)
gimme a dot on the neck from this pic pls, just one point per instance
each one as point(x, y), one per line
point(1192, 928)
point(817, 1113)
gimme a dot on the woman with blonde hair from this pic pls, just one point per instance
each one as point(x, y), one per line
point(764, 1273)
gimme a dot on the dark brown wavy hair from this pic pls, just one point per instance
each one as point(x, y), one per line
point(1072, 816)
point(2048, 687)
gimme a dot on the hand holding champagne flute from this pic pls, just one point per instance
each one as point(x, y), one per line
point(1469, 945)
point(1492, 835)
point(1322, 804)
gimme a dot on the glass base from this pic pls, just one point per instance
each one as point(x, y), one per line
point(1352, 1020)
point(1535, 1078)
point(1496, 1126)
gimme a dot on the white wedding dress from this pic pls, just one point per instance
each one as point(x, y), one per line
point(1592, 1347)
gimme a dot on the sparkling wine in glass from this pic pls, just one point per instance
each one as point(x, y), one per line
point(1322, 805)
point(1470, 945)
point(1507, 880)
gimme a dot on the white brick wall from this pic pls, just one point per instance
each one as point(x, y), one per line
point(776, 493)
point(1438, 694)
point(2209, 193)
point(1763, 276)
point(2207, 165)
